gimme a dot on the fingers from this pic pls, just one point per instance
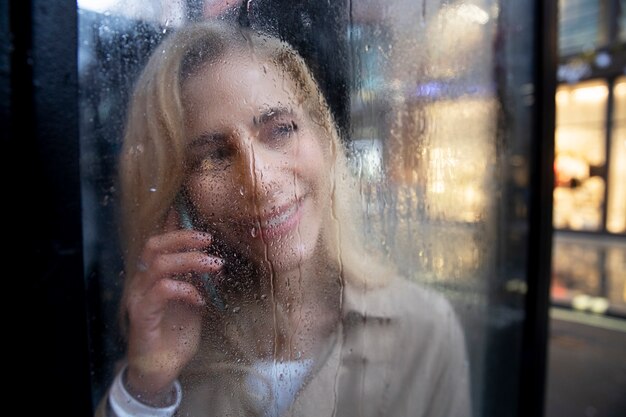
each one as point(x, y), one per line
point(171, 265)
point(147, 311)
point(185, 262)
point(175, 241)
point(172, 254)
point(167, 290)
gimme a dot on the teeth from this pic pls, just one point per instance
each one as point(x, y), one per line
point(280, 218)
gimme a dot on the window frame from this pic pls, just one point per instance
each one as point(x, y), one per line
point(43, 83)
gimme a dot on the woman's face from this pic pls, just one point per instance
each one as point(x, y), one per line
point(259, 168)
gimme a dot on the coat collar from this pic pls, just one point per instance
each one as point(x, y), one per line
point(363, 308)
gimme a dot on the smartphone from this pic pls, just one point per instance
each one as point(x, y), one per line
point(186, 222)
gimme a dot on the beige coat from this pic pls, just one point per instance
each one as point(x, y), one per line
point(398, 352)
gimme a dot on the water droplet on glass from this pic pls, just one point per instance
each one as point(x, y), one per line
point(153, 189)
point(241, 190)
point(254, 232)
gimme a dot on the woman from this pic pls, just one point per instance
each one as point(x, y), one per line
point(248, 292)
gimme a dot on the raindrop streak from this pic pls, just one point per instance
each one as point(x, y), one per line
point(255, 204)
point(341, 277)
point(340, 336)
point(299, 235)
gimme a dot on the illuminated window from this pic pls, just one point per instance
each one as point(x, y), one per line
point(616, 213)
point(580, 155)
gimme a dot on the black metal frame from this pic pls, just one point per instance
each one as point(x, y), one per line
point(42, 133)
point(534, 343)
point(43, 183)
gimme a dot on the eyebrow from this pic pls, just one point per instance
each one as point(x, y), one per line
point(205, 137)
point(270, 114)
point(267, 115)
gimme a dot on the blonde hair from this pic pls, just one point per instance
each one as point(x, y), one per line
point(152, 164)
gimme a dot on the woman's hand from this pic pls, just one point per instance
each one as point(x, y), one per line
point(165, 313)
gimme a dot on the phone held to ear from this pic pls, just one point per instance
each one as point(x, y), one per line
point(186, 223)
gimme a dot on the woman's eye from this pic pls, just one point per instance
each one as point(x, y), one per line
point(219, 153)
point(284, 130)
point(211, 158)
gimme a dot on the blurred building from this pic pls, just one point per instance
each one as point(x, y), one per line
point(589, 269)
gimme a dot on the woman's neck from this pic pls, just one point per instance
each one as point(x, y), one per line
point(308, 299)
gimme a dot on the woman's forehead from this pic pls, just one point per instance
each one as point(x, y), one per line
point(236, 72)
point(234, 87)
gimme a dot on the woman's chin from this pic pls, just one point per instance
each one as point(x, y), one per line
point(296, 241)
point(291, 254)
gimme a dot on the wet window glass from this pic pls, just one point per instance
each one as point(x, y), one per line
point(616, 215)
point(580, 155)
point(306, 208)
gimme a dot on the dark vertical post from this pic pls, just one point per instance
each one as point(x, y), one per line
point(5, 70)
point(43, 192)
point(608, 133)
point(613, 16)
point(534, 345)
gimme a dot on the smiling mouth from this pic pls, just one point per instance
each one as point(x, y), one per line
point(272, 222)
point(282, 220)
point(280, 216)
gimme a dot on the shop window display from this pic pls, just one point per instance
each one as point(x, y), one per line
point(580, 156)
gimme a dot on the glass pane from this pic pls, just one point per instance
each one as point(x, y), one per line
point(306, 208)
point(616, 215)
point(579, 26)
point(580, 155)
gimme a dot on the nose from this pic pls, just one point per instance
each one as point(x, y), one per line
point(259, 171)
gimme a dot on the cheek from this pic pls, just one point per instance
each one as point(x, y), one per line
point(208, 194)
point(313, 163)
